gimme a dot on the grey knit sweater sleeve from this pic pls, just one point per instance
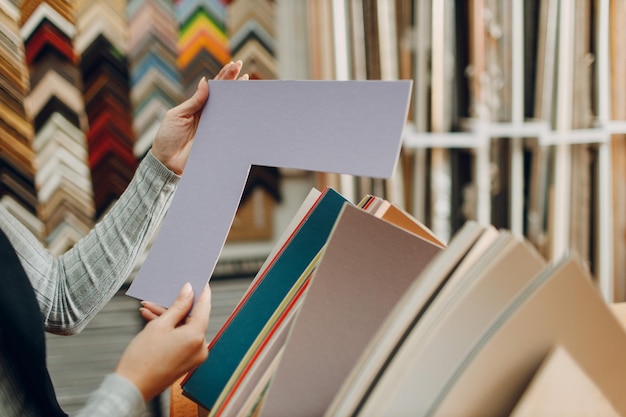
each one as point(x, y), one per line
point(116, 397)
point(73, 287)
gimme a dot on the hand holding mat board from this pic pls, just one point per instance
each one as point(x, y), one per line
point(348, 127)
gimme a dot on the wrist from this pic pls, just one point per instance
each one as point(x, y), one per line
point(161, 168)
point(143, 387)
point(122, 394)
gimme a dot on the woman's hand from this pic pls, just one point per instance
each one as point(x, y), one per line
point(174, 138)
point(170, 345)
point(150, 311)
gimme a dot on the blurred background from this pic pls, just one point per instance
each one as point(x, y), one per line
point(517, 119)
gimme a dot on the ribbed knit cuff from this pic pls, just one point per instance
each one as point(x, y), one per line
point(117, 396)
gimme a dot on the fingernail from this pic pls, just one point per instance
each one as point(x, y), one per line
point(143, 303)
point(186, 291)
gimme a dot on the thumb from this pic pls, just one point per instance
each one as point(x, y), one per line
point(180, 308)
point(195, 103)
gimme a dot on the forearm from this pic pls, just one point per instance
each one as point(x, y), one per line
point(72, 288)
